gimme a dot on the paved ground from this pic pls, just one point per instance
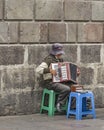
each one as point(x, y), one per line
point(58, 122)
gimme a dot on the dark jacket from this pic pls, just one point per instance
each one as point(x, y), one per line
point(50, 59)
point(45, 78)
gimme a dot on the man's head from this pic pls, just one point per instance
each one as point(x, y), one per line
point(57, 49)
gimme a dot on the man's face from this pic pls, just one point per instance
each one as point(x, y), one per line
point(59, 56)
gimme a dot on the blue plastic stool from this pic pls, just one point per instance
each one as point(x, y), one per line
point(81, 105)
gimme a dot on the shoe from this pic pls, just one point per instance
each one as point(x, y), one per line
point(58, 107)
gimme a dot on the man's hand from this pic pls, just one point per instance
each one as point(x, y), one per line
point(53, 72)
point(78, 72)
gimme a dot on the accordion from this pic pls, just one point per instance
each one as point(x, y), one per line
point(66, 71)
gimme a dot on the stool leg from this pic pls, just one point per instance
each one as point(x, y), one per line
point(93, 107)
point(68, 108)
point(51, 104)
point(78, 107)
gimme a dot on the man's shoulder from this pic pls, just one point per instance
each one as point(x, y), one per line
point(49, 58)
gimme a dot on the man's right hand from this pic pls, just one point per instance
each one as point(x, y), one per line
point(53, 72)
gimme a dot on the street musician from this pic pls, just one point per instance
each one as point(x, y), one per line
point(48, 72)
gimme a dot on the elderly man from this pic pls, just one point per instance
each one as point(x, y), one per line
point(45, 69)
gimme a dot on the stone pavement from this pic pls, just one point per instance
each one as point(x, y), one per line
point(57, 122)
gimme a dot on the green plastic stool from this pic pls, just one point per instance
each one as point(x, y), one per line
point(50, 107)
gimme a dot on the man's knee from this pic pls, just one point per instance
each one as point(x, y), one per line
point(67, 89)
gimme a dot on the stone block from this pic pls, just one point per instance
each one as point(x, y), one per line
point(13, 32)
point(90, 32)
point(24, 102)
point(33, 32)
point(77, 10)
point(1, 9)
point(90, 54)
point(99, 96)
point(100, 75)
point(28, 103)
point(3, 32)
point(43, 33)
point(48, 10)
point(70, 53)
point(72, 32)
point(19, 9)
point(37, 53)
point(8, 104)
point(37, 97)
point(98, 11)
point(8, 32)
point(18, 78)
point(11, 55)
point(86, 76)
point(57, 32)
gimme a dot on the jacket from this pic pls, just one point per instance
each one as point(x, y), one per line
point(43, 68)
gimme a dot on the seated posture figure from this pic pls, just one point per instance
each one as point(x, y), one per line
point(45, 69)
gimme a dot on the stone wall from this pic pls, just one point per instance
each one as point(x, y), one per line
point(27, 30)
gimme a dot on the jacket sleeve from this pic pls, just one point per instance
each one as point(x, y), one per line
point(48, 60)
point(41, 67)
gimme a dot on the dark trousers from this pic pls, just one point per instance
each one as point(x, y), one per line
point(63, 89)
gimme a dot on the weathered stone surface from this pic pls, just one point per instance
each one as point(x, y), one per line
point(37, 99)
point(99, 96)
point(37, 53)
point(18, 78)
point(90, 54)
point(11, 55)
point(8, 104)
point(3, 32)
point(70, 53)
point(25, 101)
point(43, 33)
point(13, 32)
point(0, 82)
point(20, 103)
point(8, 32)
point(57, 32)
point(72, 32)
point(98, 11)
point(86, 76)
point(77, 10)
point(90, 32)
point(1, 9)
point(33, 32)
point(48, 10)
point(29, 103)
point(100, 75)
point(19, 9)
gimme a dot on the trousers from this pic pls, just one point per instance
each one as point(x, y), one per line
point(62, 89)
